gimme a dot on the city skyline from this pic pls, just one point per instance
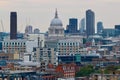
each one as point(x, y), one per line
point(39, 13)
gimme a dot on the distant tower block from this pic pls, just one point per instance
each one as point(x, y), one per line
point(36, 31)
point(28, 29)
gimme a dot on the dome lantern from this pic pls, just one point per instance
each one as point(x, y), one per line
point(56, 14)
point(56, 21)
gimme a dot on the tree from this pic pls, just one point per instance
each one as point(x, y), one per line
point(85, 71)
point(110, 69)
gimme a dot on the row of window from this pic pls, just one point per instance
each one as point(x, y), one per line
point(74, 43)
point(68, 68)
point(69, 75)
point(47, 49)
point(69, 49)
point(4, 57)
point(14, 48)
point(14, 43)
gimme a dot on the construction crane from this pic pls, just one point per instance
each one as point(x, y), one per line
point(2, 26)
point(2, 30)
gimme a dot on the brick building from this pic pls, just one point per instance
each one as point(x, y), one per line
point(66, 70)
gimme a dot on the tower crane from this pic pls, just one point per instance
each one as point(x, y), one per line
point(2, 26)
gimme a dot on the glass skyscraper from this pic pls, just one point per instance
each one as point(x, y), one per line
point(82, 25)
point(90, 23)
point(73, 24)
point(99, 27)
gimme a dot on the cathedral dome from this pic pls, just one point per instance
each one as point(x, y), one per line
point(56, 21)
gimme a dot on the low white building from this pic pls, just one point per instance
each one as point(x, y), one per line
point(69, 45)
point(39, 36)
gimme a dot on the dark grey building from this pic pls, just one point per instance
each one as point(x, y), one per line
point(90, 22)
point(72, 27)
point(99, 27)
point(13, 25)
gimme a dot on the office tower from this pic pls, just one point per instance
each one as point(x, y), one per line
point(73, 24)
point(28, 29)
point(82, 25)
point(99, 27)
point(13, 25)
point(90, 23)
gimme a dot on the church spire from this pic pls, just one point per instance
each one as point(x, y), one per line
point(56, 14)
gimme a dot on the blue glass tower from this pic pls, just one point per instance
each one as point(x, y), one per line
point(99, 27)
point(73, 24)
point(90, 23)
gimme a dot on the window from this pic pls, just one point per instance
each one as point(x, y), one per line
point(24, 43)
point(58, 43)
point(73, 44)
point(65, 44)
point(15, 43)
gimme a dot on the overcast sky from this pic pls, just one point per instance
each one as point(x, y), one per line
point(39, 13)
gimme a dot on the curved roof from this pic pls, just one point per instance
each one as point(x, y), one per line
point(56, 21)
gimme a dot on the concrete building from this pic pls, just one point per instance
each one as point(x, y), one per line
point(46, 55)
point(68, 46)
point(34, 37)
point(19, 46)
point(11, 46)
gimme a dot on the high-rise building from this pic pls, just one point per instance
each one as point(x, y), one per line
point(90, 23)
point(13, 25)
point(28, 29)
point(99, 27)
point(82, 25)
point(73, 24)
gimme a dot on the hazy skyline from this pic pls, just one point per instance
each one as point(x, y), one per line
point(39, 13)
